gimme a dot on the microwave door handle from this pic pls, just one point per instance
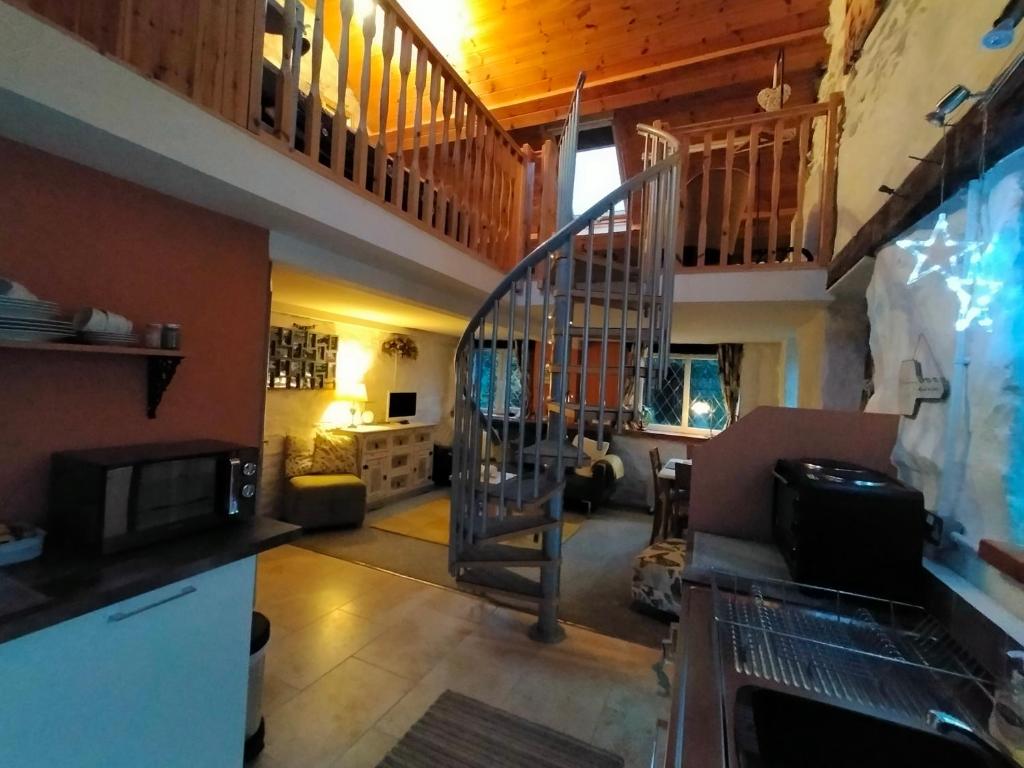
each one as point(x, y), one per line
point(234, 474)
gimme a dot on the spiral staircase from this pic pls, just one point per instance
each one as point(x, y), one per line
point(588, 313)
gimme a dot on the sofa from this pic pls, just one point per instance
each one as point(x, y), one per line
point(323, 489)
point(589, 487)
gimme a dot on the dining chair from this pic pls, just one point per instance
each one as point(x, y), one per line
point(679, 500)
point(660, 502)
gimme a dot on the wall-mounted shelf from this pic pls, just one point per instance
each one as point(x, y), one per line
point(161, 364)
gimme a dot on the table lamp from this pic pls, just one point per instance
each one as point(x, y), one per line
point(353, 393)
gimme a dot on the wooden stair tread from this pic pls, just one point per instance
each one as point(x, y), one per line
point(530, 498)
point(502, 582)
point(503, 554)
point(517, 525)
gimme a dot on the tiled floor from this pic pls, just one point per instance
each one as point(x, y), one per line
point(357, 655)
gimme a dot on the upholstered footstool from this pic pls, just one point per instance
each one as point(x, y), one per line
point(321, 501)
point(658, 576)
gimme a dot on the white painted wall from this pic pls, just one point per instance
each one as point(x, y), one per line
point(916, 53)
point(760, 376)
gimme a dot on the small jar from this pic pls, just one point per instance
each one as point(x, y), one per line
point(154, 338)
point(171, 337)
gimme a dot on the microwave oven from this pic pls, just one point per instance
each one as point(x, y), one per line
point(112, 499)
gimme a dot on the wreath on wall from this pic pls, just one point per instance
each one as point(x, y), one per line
point(400, 347)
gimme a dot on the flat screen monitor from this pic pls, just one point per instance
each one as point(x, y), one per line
point(401, 405)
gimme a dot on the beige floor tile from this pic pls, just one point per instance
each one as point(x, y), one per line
point(457, 604)
point(414, 644)
point(627, 725)
point(330, 716)
point(367, 752)
point(305, 655)
point(388, 600)
point(276, 692)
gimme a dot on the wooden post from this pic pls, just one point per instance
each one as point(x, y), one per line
point(705, 195)
point(339, 128)
point(827, 206)
point(362, 139)
point(315, 104)
point(773, 221)
point(287, 79)
point(380, 156)
point(726, 233)
point(753, 148)
point(404, 67)
point(801, 186)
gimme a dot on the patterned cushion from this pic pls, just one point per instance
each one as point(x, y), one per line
point(658, 575)
point(334, 454)
point(298, 456)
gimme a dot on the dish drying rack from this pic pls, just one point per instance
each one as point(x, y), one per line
point(881, 657)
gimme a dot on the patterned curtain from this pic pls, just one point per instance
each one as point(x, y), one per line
point(730, 357)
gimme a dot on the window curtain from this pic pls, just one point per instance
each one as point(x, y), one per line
point(730, 358)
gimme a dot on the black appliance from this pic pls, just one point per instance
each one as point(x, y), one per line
point(111, 499)
point(850, 528)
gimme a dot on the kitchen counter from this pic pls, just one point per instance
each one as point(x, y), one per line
point(57, 586)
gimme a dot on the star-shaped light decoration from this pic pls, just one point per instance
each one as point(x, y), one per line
point(964, 264)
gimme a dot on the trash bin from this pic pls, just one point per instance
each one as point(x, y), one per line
point(259, 636)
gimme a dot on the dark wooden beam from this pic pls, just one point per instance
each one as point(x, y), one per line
point(919, 194)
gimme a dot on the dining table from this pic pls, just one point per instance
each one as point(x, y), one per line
point(668, 469)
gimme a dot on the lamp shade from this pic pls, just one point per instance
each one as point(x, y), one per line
point(352, 391)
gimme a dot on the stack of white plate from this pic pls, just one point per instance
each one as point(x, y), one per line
point(110, 337)
point(32, 320)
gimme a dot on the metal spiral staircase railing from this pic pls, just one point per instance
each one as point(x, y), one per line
point(587, 315)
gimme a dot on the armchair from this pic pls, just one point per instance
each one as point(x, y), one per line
point(591, 486)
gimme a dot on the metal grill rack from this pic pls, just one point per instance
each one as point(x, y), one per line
point(886, 658)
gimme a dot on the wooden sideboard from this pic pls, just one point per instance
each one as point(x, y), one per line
point(394, 459)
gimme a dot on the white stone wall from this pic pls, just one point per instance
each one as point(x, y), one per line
point(918, 51)
point(981, 444)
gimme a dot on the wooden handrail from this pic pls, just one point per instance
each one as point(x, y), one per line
point(417, 139)
point(754, 168)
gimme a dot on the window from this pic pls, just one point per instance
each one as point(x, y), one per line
point(597, 174)
point(691, 398)
point(491, 367)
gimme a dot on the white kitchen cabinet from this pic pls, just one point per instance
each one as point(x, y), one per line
point(156, 680)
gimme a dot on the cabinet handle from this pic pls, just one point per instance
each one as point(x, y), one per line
point(122, 615)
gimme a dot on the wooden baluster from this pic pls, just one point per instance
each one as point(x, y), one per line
point(444, 201)
point(255, 63)
point(827, 234)
point(314, 105)
point(339, 128)
point(752, 150)
point(801, 184)
point(684, 173)
point(124, 37)
point(459, 180)
point(730, 157)
point(404, 67)
point(380, 157)
point(705, 199)
point(417, 133)
point(479, 169)
point(484, 222)
point(469, 207)
point(362, 158)
point(773, 221)
point(287, 79)
point(494, 194)
point(430, 215)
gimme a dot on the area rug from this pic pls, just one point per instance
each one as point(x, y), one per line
point(429, 522)
point(458, 730)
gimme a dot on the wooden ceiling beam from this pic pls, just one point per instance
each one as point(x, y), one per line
point(749, 65)
point(557, 69)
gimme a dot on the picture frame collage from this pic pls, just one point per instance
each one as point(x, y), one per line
point(301, 358)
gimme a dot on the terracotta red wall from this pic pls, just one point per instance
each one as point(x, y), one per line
point(82, 238)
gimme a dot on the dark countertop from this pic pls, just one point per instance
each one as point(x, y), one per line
point(57, 586)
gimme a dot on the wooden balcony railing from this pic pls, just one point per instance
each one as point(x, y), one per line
point(353, 90)
point(745, 184)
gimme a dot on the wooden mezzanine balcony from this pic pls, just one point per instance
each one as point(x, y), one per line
point(404, 130)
